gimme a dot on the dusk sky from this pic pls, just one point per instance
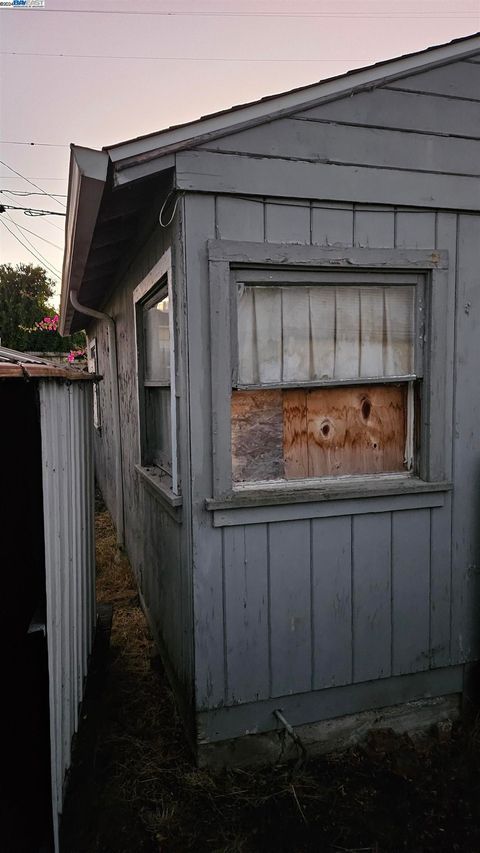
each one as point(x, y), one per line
point(127, 68)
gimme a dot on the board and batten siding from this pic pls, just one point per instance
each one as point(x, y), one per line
point(157, 544)
point(291, 606)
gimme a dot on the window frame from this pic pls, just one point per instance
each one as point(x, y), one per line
point(152, 289)
point(92, 365)
point(230, 262)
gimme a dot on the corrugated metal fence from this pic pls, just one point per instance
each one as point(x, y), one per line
point(68, 492)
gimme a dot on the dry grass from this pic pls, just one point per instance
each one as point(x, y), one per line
point(144, 794)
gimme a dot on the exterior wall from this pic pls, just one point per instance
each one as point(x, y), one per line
point(156, 539)
point(375, 602)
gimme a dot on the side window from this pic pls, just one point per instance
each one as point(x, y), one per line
point(156, 380)
point(327, 375)
point(92, 359)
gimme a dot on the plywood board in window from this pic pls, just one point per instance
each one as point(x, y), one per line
point(257, 435)
point(295, 444)
point(356, 430)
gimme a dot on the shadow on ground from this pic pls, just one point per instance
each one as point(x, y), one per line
point(134, 788)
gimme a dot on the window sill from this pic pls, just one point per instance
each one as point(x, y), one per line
point(159, 485)
point(352, 496)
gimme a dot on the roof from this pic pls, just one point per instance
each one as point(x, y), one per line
point(99, 179)
point(20, 365)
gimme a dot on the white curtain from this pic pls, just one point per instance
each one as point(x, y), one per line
point(157, 343)
point(302, 333)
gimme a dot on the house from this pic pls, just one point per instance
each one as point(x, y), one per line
point(48, 601)
point(284, 300)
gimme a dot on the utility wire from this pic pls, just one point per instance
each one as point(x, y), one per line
point(13, 178)
point(26, 192)
point(32, 183)
point(278, 14)
point(176, 58)
point(33, 211)
point(2, 221)
point(34, 234)
point(43, 258)
point(37, 144)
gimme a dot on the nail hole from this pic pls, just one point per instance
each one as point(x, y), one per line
point(325, 429)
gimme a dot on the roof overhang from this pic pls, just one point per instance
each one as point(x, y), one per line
point(102, 223)
point(86, 184)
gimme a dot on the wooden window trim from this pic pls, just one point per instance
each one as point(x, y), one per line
point(92, 362)
point(227, 257)
point(156, 285)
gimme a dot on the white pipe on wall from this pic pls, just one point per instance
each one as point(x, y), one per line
point(117, 438)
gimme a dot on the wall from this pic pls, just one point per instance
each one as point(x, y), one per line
point(157, 544)
point(378, 593)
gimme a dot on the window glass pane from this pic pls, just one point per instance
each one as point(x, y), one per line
point(158, 431)
point(303, 333)
point(157, 342)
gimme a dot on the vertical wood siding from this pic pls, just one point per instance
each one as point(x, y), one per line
point(326, 602)
point(336, 601)
point(299, 605)
point(158, 547)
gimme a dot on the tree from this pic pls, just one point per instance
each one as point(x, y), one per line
point(28, 322)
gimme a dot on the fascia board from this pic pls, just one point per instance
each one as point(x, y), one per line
point(86, 182)
point(240, 118)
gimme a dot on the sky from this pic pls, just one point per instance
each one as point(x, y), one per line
point(95, 72)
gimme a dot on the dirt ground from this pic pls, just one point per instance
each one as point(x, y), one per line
point(135, 789)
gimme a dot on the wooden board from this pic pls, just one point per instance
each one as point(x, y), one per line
point(246, 612)
point(290, 607)
point(332, 601)
point(298, 433)
point(372, 596)
point(295, 436)
point(402, 111)
point(257, 435)
point(356, 429)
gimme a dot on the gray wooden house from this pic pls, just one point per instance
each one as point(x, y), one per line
point(284, 301)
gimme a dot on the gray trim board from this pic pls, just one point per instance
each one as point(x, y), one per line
point(291, 254)
point(204, 171)
point(302, 708)
point(324, 507)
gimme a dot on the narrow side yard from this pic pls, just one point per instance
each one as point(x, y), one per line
point(134, 788)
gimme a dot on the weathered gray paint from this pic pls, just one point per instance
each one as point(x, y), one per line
point(405, 111)
point(157, 544)
point(332, 606)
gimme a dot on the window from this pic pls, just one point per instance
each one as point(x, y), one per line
point(327, 367)
point(92, 361)
point(156, 375)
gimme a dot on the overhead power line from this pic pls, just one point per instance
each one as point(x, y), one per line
point(176, 58)
point(24, 193)
point(32, 211)
point(36, 144)
point(32, 183)
point(34, 234)
point(271, 14)
point(43, 258)
point(13, 178)
point(33, 253)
